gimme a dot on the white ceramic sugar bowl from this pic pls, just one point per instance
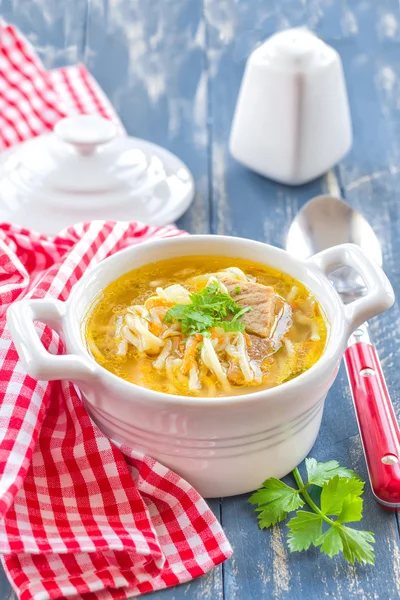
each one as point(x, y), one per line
point(292, 120)
point(86, 170)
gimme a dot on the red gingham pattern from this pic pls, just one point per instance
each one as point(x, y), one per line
point(79, 517)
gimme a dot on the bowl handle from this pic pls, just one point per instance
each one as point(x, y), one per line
point(37, 362)
point(379, 296)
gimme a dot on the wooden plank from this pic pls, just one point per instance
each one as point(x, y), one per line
point(56, 29)
point(149, 58)
point(6, 592)
point(250, 206)
point(370, 175)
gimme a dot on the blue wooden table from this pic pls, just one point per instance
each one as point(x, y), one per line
point(172, 69)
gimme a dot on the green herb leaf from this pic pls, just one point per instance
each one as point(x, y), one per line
point(357, 545)
point(230, 325)
point(275, 500)
point(330, 542)
point(241, 313)
point(336, 490)
point(319, 472)
point(237, 289)
point(305, 530)
point(351, 509)
point(340, 496)
point(209, 308)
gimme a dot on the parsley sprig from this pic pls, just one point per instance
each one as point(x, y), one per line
point(323, 526)
point(209, 308)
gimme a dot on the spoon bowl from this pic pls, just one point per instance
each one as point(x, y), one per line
point(327, 221)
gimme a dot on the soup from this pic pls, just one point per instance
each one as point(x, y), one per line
point(206, 326)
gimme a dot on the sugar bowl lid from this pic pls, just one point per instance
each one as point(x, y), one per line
point(85, 170)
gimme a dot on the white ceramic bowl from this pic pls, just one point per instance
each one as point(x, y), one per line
point(222, 446)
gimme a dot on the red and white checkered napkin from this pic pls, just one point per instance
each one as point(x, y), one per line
point(79, 517)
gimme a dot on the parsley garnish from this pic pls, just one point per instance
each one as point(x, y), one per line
point(237, 289)
point(209, 308)
point(341, 491)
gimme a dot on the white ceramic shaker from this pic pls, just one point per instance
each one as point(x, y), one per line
point(292, 120)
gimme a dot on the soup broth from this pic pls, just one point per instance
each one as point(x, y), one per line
point(206, 326)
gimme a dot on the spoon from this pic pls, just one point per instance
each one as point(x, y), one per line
point(327, 221)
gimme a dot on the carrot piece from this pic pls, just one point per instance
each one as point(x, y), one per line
point(155, 328)
point(190, 353)
point(215, 336)
point(154, 302)
point(247, 338)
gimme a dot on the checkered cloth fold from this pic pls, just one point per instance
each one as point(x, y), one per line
point(80, 517)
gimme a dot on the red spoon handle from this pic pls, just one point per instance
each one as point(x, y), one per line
point(377, 422)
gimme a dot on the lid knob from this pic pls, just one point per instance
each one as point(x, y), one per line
point(85, 132)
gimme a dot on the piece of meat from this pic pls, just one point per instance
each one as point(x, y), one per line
point(258, 350)
point(235, 374)
point(268, 309)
